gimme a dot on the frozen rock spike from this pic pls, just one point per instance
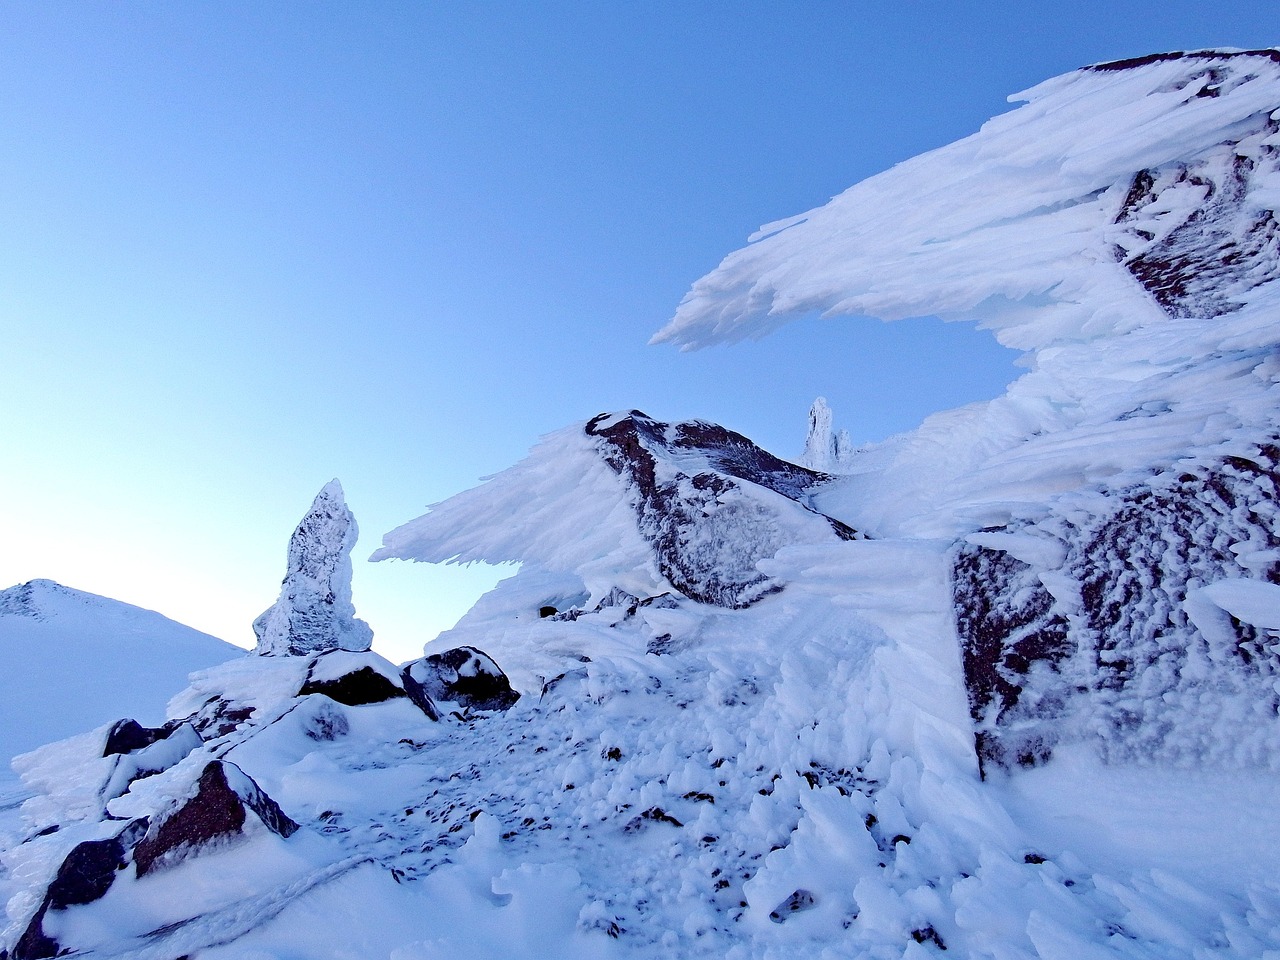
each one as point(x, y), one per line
point(314, 613)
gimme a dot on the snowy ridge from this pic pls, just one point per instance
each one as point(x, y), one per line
point(75, 660)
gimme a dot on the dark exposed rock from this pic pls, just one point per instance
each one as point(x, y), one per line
point(1005, 621)
point(798, 901)
point(1210, 55)
point(356, 679)
point(84, 876)
point(168, 745)
point(360, 686)
point(707, 536)
point(218, 717)
point(466, 676)
point(417, 693)
point(127, 736)
point(928, 935)
point(652, 815)
point(224, 798)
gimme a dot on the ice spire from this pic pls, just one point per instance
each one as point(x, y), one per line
point(314, 612)
point(819, 444)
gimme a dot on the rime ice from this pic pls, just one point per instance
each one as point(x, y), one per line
point(314, 612)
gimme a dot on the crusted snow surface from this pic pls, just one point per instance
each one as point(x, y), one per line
point(315, 612)
point(794, 779)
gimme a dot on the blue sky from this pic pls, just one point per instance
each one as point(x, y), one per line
point(248, 247)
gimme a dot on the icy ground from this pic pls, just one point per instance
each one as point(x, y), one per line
point(794, 780)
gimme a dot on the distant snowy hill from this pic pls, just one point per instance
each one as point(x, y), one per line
point(71, 661)
point(1004, 687)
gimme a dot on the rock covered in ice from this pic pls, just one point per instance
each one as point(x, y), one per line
point(1155, 170)
point(819, 443)
point(825, 449)
point(466, 676)
point(629, 502)
point(315, 612)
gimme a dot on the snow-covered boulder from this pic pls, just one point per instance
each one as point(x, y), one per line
point(85, 875)
point(315, 612)
point(355, 679)
point(225, 803)
point(465, 676)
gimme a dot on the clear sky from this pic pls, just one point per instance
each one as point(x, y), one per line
point(249, 247)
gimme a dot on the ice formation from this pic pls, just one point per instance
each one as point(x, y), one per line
point(1004, 686)
point(314, 612)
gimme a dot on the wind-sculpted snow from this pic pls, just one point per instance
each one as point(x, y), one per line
point(1120, 226)
point(1017, 225)
point(629, 502)
point(315, 612)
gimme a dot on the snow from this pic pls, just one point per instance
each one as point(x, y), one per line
point(72, 661)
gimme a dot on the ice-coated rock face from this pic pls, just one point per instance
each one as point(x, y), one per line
point(702, 499)
point(314, 612)
point(626, 501)
point(819, 443)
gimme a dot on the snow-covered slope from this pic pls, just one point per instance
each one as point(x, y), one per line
point(72, 660)
point(1009, 687)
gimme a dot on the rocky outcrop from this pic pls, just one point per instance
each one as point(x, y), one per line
point(1128, 650)
point(695, 505)
point(465, 676)
point(1006, 621)
point(145, 751)
point(357, 679)
point(315, 613)
point(217, 813)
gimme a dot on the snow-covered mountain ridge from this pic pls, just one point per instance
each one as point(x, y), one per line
point(1008, 686)
point(75, 659)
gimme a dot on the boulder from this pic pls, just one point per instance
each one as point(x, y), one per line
point(218, 812)
point(356, 679)
point(466, 676)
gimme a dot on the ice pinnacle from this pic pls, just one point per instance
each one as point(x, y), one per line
point(315, 613)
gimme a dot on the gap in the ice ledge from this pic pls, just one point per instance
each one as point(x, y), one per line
point(879, 378)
